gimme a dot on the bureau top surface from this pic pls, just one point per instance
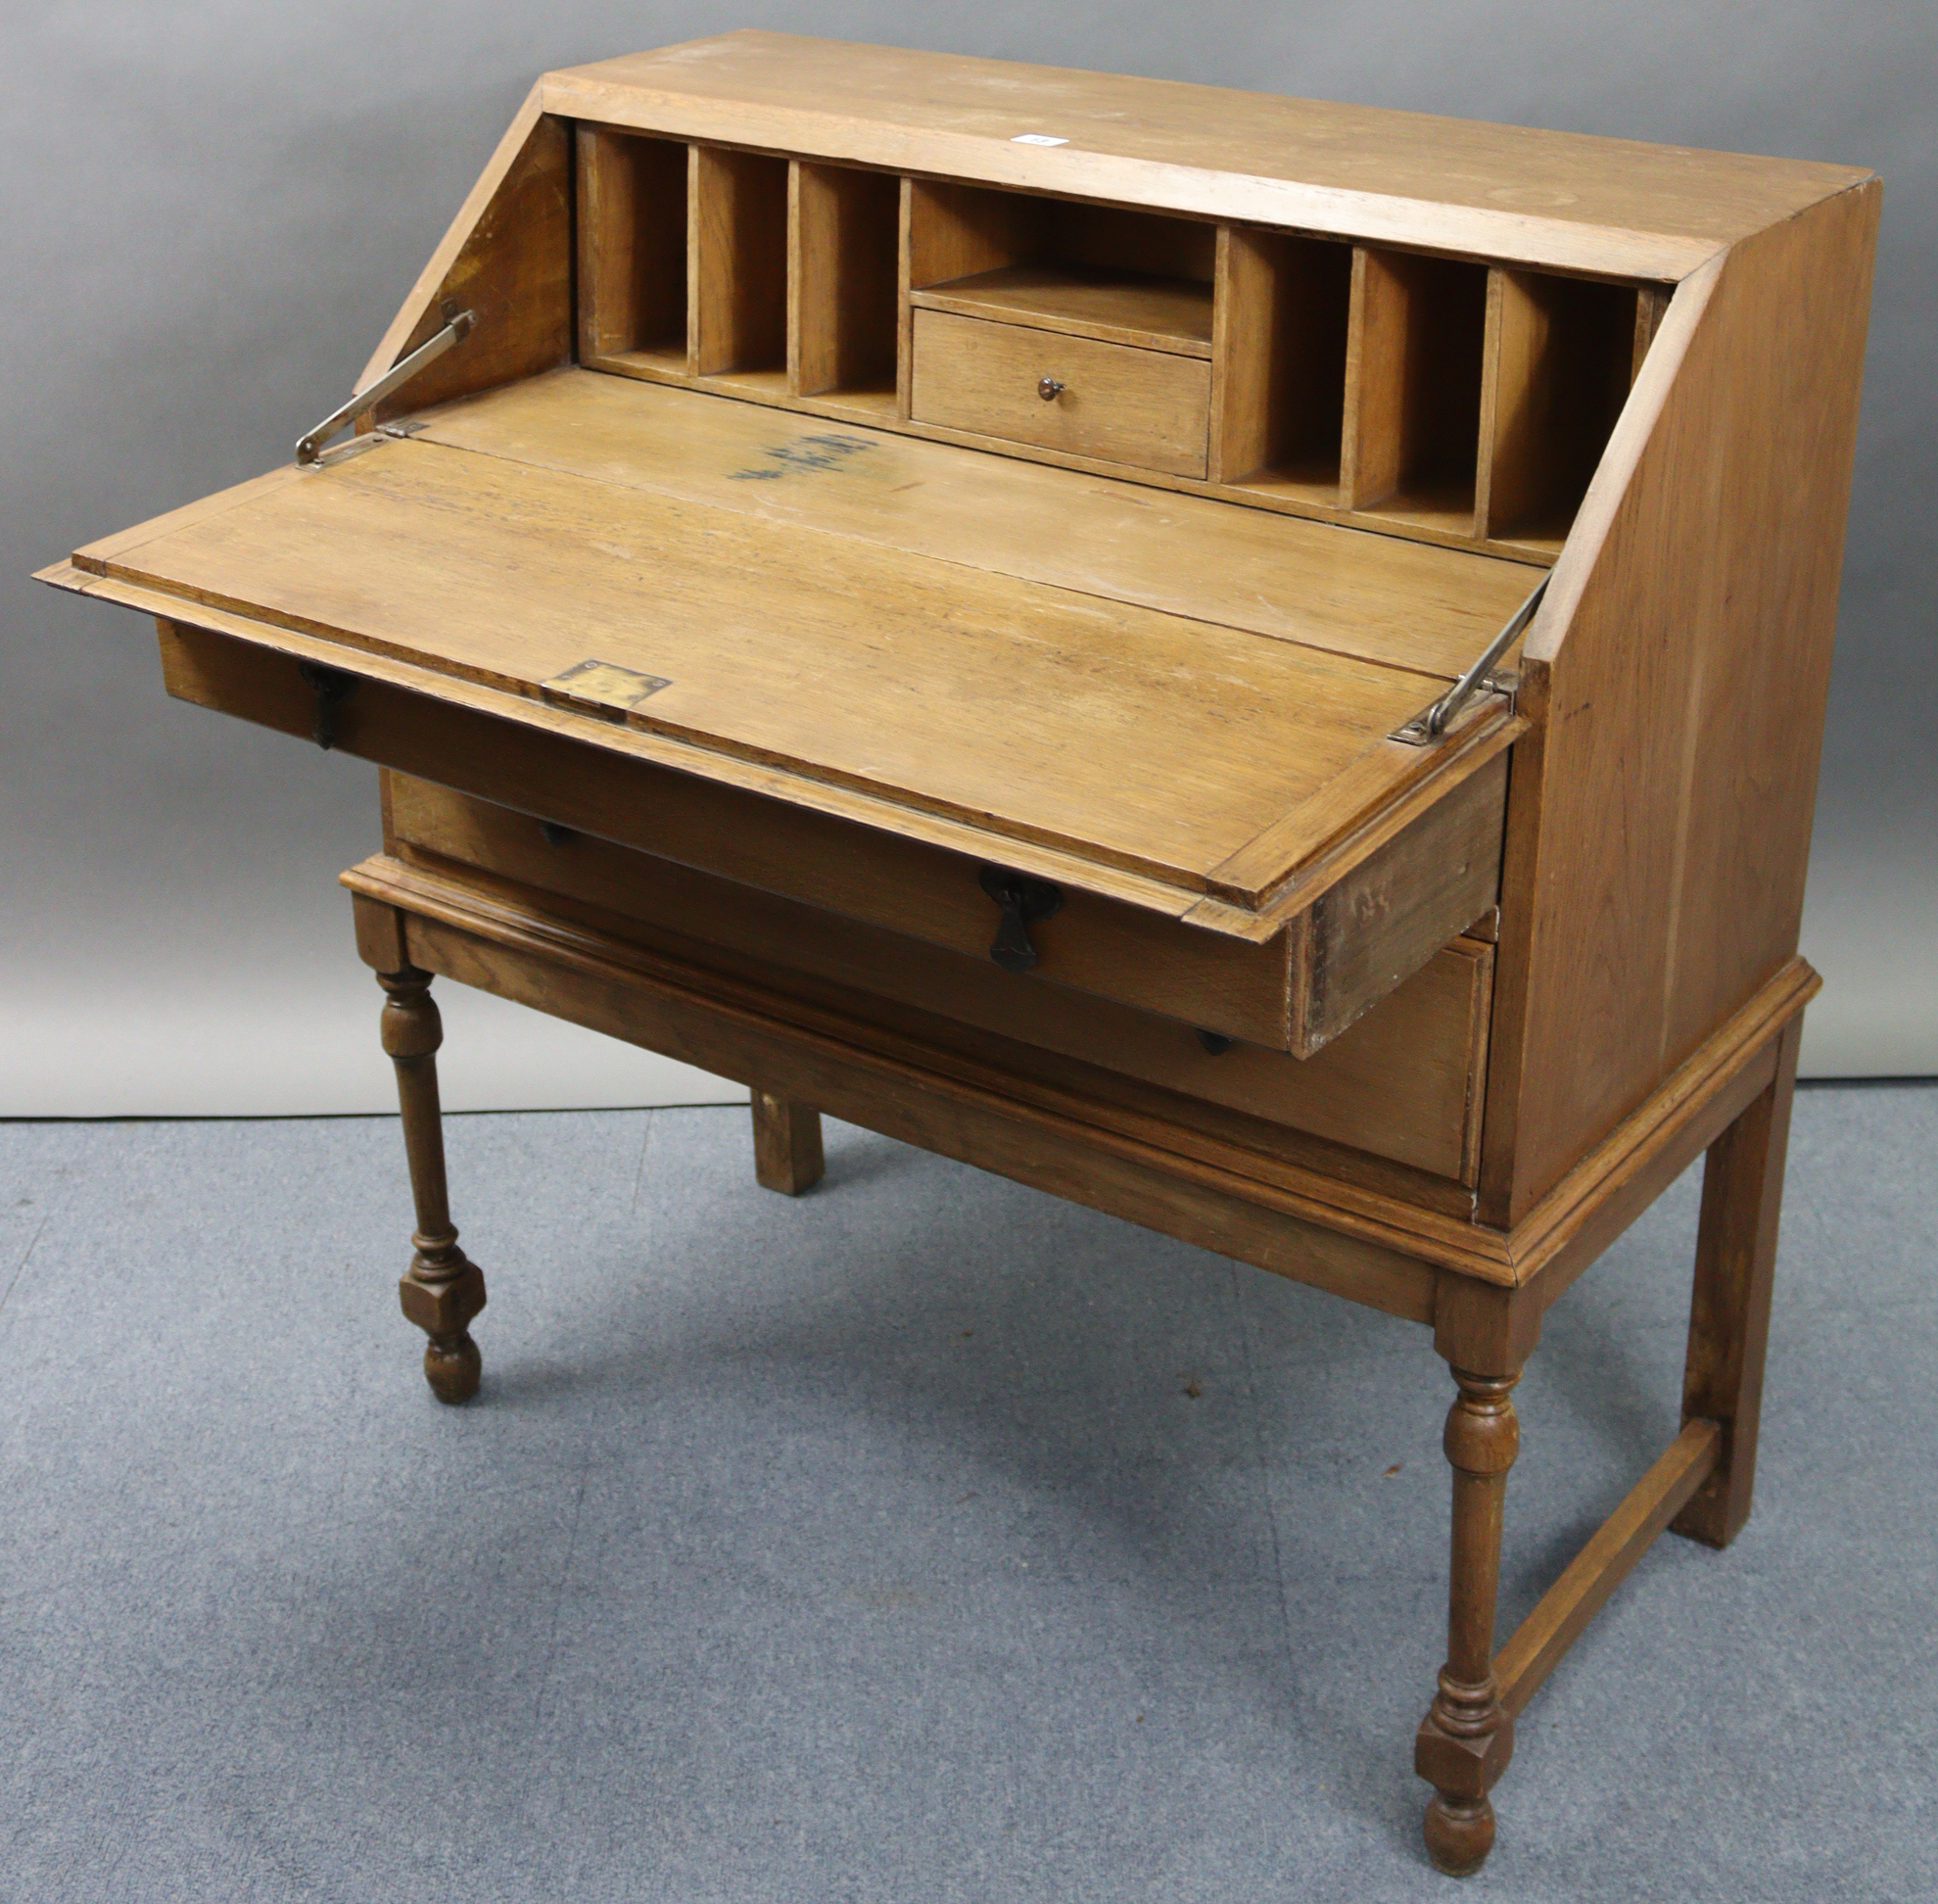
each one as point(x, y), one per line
point(1410, 177)
point(1196, 695)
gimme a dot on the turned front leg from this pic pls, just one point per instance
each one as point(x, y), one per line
point(443, 1290)
point(1466, 1738)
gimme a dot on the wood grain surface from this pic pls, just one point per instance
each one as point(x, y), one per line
point(508, 259)
point(1560, 358)
point(632, 245)
point(885, 1083)
point(1610, 206)
point(736, 260)
point(553, 765)
point(1402, 603)
point(1279, 363)
point(1676, 677)
point(1150, 314)
point(843, 230)
point(942, 688)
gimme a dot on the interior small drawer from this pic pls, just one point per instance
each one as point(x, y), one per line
point(1110, 400)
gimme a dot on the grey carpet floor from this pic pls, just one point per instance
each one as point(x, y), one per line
point(924, 1539)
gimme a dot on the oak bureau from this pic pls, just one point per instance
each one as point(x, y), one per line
point(1254, 664)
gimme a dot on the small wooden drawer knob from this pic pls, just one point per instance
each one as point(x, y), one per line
point(1049, 389)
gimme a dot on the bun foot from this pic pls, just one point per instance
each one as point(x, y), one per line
point(445, 1309)
point(452, 1367)
point(1459, 1833)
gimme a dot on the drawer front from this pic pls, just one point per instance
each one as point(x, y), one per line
point(1118, 403)
point(1297, 990)
point(1402, 1083)
point(1092, 943)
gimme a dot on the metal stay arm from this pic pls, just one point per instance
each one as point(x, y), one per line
point(1430, 726)
point(458, 327)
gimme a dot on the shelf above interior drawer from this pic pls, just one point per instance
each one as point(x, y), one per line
point(1147, 312)
point(1115, 402)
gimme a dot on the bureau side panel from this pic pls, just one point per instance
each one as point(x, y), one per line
point(508, 257)
point(1659, 826)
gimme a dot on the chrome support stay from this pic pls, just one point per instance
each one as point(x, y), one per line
point(458, 327)
point(1426, 728)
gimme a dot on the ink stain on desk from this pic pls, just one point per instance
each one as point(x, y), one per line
point(823, 450)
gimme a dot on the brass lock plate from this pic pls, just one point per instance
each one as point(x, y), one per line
point(602, 688)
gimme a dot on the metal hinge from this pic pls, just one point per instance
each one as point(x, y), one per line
point(458, 327)
point(1428, 724)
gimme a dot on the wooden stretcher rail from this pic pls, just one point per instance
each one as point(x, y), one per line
point(1564, 1611)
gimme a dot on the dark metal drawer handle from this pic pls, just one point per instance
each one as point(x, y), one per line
point(1023, 902)
point(332, 686)
point(1049, 389)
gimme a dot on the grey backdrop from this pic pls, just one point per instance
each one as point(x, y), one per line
point(210, 212)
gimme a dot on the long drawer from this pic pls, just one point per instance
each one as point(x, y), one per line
point(1403, 1084)
point(1293, 990)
